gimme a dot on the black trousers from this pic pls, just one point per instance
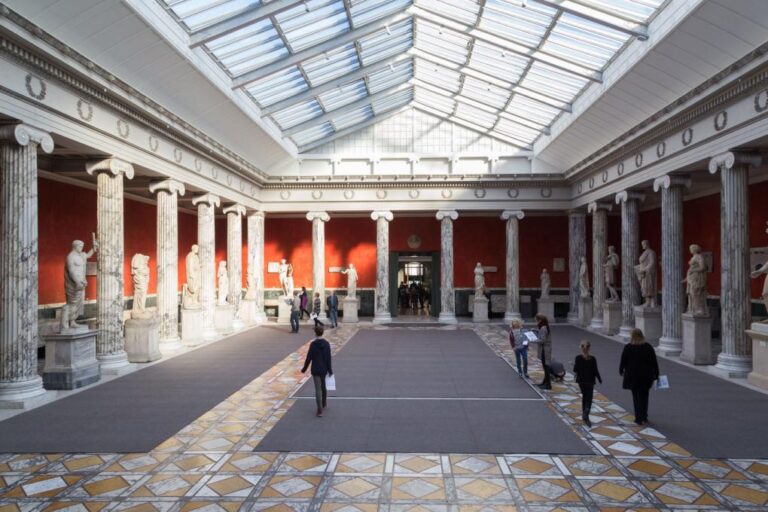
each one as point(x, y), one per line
point(640, 401)
point(547, 383)
point(587, 391)
point(321, 394)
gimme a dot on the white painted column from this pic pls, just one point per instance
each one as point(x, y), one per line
point(736, 356)
point(168, 192)
point(599, 213)
point(630, 250)
point(513, 217)
point(318, 220)
point(255, 264)
point(577, 248)
point(447, 295)
point(672, 263)
point(110, 286)
point(206, 241)
point(382, 313)
point(235, 214)
point(20, 385)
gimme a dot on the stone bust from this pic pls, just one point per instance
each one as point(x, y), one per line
point(545, 284)
point(351, 273)
point(140, 275)
point(191, 298)
point(223, 291)
point(75, 283)
point(696, 283)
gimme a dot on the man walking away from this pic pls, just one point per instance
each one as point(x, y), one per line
point(319, 355)
point(295, 311)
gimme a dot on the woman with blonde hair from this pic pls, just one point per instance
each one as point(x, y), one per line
point(519, 344)
point(585, 368)
point(639, 368)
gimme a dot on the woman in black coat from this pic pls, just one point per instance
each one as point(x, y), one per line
point(639, 368)
point(585, 368)
point(319, 355)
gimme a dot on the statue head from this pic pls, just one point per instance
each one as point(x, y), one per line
point(644, 244)
point(195, 248)
point(352, 265)
point(544, 271)
point(583, 259)
point(611, 249)
point(694, 248)
point(78, 245)
point(282, 261)
point(478, 264)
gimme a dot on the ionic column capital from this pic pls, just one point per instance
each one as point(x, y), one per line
point(508, 214)
point(628, 195)
point(729, 159)
point(237, 209)
point(577, 213)
point(207, 199)
point(170, 185)
point(321, 216)
point(669, 181)
point(595, 206)
point(23, 134)
point(382, 214)
point(115, 166)
point(255, 213)
point(450, 214)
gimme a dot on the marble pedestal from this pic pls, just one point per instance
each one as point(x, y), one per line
point(350, 306)
point(142, 339)
point(758, 332)
point(191, 327)
point(546, 306)
point(611, 317)
point(480, 311)
point(697, 340)
point(284, 309)
point(70, 359)
point(248, 312)
point(223, 319)
point(648, 320)
point(585, 311)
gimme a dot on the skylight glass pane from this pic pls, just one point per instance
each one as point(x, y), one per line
point(297, 114)
point(352, 118)
point(464, 11)
point(313, 22)
point(495, 61)
point(525, 25)
point(366, 11)
point(475, 115)
point(562, 85)
point(441, 42)
point(529, 109)
point(312, 134)
point(516, 131)
point(278, 86)
point(390, 76)
point(438, 76)
point(435, 101)
point(383, 44)
point(332, 64)
point(197, 14)
point(639, 11)
point(484, 92)
point(343, 95)
point(248, 48)
point(392, 101)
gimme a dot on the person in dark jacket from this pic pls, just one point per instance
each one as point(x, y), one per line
point(319, 355)
point(304, 301)
point(332, 301)
point(545, 349)
point(316, 306)
point(639, 368)
point(585, 368)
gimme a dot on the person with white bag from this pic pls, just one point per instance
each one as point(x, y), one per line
point(319, 355)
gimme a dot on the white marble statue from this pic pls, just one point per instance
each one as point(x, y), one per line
point(282, 270)
point(288, 282)
point(611, 262)
point(351, 273)
point(223, 275)
point(191, 298)
point(757, 273)
point(479, 281)
point(140, 275)
point(250, 283)
point(584, 278)
point(546, 284)
point(646, 274)
point(75, 283)
point(696, 283)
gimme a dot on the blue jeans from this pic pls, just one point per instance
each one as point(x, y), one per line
point(522, 353)
point(294, 321)
point(333, 314)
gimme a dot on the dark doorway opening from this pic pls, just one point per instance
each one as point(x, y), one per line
point(415, 284)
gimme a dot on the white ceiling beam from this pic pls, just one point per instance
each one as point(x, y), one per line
point(328, 116)
point(241, 19)
point(314, 51)
point(353, 129)
point(599, 16)
point(357, 74)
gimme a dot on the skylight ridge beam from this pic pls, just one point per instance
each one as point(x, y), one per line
point(281, 34)
point(622, 24)
point(348, 10)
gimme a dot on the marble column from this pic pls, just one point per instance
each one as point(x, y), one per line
point(168, 192)
point(318, 220)
point(382, 314)
point(20, 385)
point(513, 217)
point(630, 251)
point(235, 214)
point(447, 294)
point(672, 262)
point(599, 213)
point(110, 282)
point(206, 241)
point(736, 356)
point(577, 248)
point(255, 265)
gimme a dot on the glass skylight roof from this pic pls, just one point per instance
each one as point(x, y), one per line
point(505, 68)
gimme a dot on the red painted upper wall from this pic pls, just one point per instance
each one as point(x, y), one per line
point(427, 228)
point(479, 239)
point(290, 239)
point(542, 239)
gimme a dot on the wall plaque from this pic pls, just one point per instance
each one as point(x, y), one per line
point(490, 269)
point(273, 267)
point(558, 265)
point(91, 268)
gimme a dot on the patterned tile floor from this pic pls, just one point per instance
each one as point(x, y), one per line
point(209, 465)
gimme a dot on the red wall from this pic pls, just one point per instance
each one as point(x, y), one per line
point(290, 239)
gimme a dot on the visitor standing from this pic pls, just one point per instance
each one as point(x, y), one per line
point(316, 305)
point(639, 368)
point(295, 312)
point(519, 344)
point(585, 368)
point(545, 348)
point(319, 355)
point(333, 309)
point(304, 300)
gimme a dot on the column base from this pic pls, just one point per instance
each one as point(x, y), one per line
point(611, 317)
point(480, 311)
point(625, 332)
point(447, 318)
point(260, 317)
point(382, 318)
point(573, 318)
point(670, 346)
point(247, 311)
point(238, 324)
point(24, 394)
point(596, 324)
point(585, 311)
point(648, 320)
point(734, 366)
point(546, 306)
point(697, 339)
point(512, 315)
point(170, 344)
point(114, 364)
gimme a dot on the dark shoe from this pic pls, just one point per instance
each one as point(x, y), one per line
point(319, 413)
point(544, 386)
point(587, 422)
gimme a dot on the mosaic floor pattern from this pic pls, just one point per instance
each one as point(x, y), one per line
point(210, 466)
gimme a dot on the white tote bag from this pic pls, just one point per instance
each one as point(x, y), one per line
point(663, 382)
point(330, 382)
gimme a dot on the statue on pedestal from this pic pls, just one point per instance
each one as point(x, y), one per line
point(646, 274)
point(282, 270)
point(140, 275)
point(223, 276)
point(351, 280)
point(584, 278)
point(611, 262)
point(757, 273)
point(250, 283)
point(545, 284)
point(479, 281)
point(288, 282)
point(696, 283)
point(191, 299)
point(75, 283)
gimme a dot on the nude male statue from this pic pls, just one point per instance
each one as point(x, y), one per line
point(75, 283)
